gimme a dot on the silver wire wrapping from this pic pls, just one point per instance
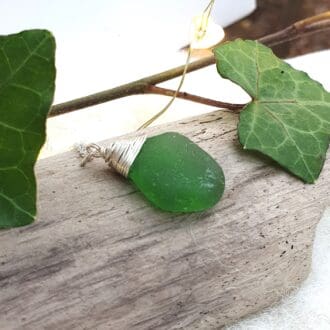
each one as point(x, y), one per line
point(119, 155)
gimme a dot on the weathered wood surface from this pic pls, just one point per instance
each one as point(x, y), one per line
point(100, 257)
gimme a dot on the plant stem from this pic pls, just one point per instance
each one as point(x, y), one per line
point(309, 25)
point(145, 85)
point(194, 98)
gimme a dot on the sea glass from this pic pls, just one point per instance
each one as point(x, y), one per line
point(176, 175)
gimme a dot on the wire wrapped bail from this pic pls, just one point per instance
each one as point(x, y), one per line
point(119, 155)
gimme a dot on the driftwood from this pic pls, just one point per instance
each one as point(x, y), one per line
point(100, 257)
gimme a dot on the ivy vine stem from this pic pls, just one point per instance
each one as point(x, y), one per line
point(194, 98)
point(147, 85)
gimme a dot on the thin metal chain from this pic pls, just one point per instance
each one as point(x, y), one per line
point(199, 35)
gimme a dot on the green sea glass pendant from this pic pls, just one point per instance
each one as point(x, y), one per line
point(172, 172)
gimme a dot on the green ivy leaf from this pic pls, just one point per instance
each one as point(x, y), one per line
point(27, 75)
point(289, 116)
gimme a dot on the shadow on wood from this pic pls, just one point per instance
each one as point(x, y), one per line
point(100, 257)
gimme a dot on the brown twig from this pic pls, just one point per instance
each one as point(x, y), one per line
point(194, 98)
point(307, 26)
point(299, 29)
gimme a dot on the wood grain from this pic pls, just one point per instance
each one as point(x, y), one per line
point(100, 257)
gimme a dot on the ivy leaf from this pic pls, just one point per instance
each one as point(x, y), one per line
point(27, 75)
point(289, 116)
